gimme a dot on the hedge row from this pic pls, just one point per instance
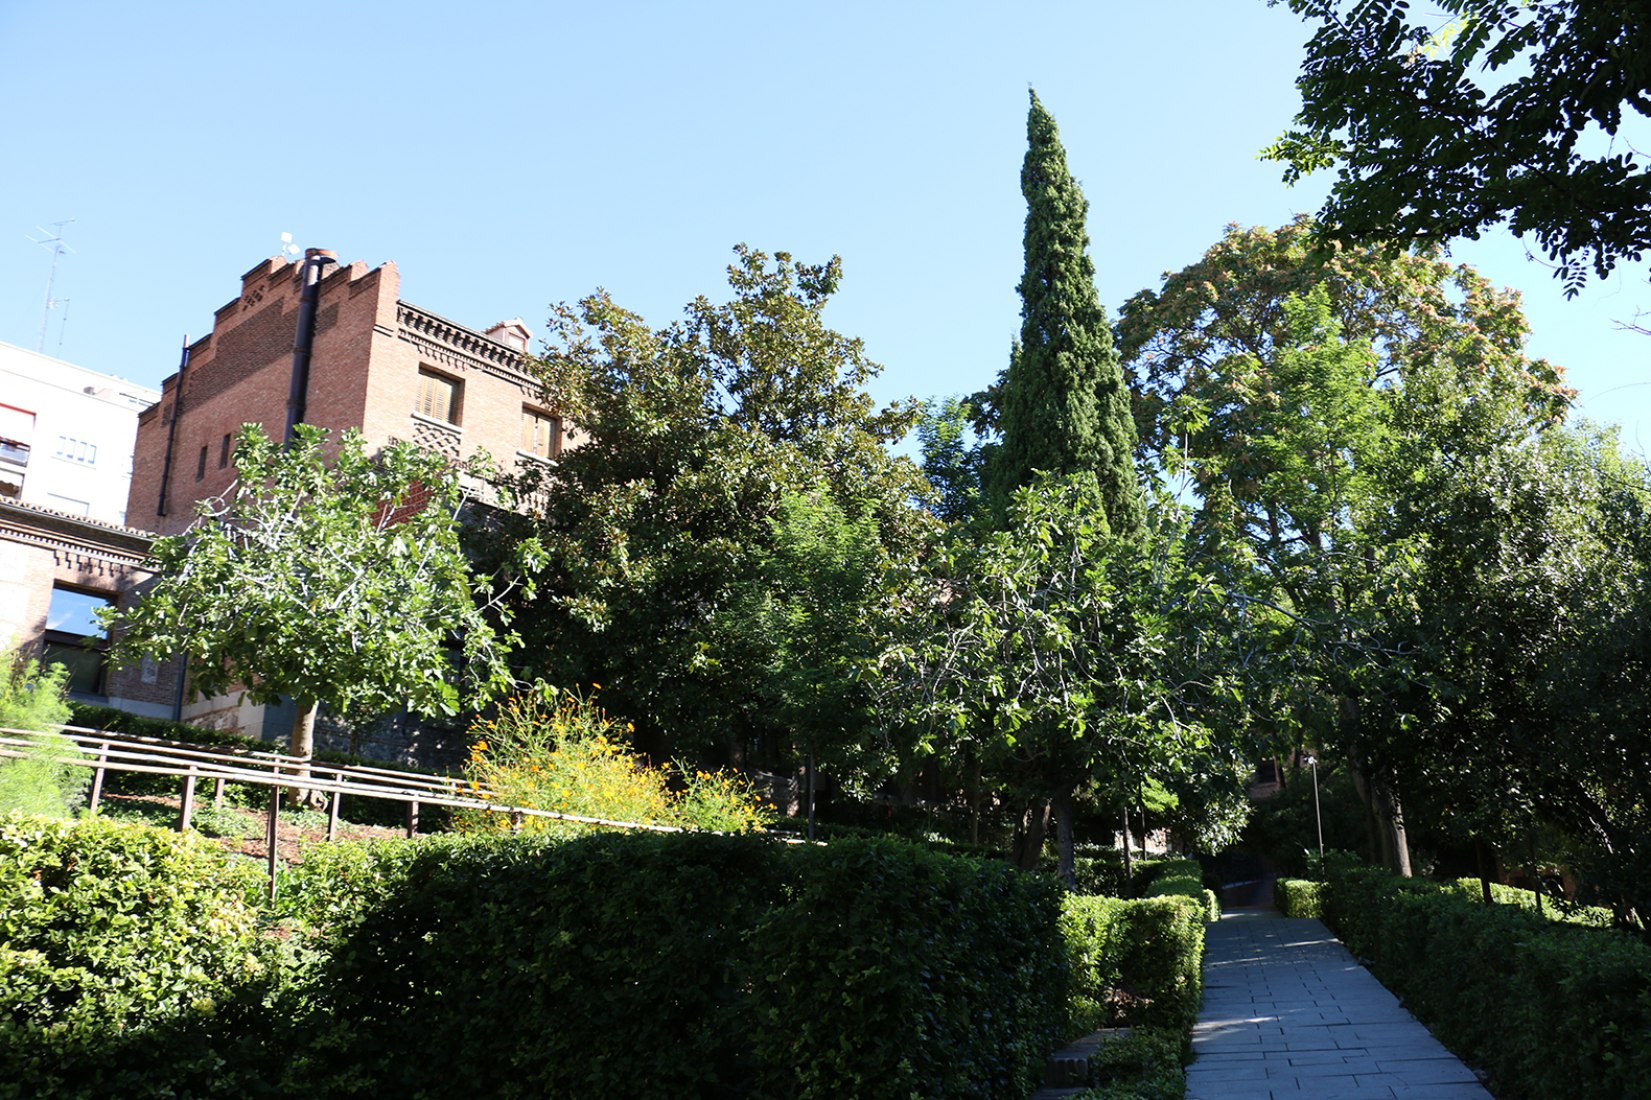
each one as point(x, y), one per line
point(1550, 1009)
point(1180, 878)
point(1135, 963)
point(1299, 897)
point(638, 965)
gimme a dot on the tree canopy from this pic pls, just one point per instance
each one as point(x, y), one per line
point(719, 453)
point(1510, 110)
point(335, 581)
point(1062, 404)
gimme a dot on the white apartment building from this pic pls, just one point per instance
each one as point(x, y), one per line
point(67, 435)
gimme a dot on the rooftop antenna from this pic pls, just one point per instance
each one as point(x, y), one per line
point(289, 251)
point(54, 241)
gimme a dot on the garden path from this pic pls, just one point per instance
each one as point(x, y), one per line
point(1289, 1015)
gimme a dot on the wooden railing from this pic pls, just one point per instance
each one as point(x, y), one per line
point(104, 752)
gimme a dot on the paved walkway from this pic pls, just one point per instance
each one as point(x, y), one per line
point(1288, 1015)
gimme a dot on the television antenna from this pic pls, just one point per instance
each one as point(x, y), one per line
point(54, 241)
point(289, 251)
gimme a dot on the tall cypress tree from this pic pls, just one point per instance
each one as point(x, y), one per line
point(1063, 403)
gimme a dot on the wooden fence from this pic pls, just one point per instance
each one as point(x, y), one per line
point(104, 752)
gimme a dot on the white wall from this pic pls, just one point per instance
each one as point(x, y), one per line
point(79, 427)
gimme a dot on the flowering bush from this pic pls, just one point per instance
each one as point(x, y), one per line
point(557, 750)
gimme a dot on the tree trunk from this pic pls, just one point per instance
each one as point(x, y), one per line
point(974, 799)
point(1063, 835)
point(302, 745)
point(1129, 861)
point(1029, 834)
point(1396, 837)
point(1481, 857)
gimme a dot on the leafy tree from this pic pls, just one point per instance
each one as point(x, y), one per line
point(1298, 395)
point(1428, 149)
point(1050, 652)
point(951, 460)
point(661, 522)
point(335, 582)
point(1062, 403)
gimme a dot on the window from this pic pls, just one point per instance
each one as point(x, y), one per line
point(77, 450)
point(438, 396)
point(200, 465)
point(541, 433)
point(70, 504)
point(16, 430)
point(75, 639)
point(223, 452)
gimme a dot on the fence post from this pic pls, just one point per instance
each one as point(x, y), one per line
point(412, 819)
point(186, 809)
point(97, 775)
point(332, 806)
point(218, 793)
point(274, 815)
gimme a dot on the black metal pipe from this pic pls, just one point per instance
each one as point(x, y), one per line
point(303, 341)
point(172, 427)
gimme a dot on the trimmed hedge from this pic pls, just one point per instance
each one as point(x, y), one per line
point(1299, 897)
point(125, 953)
point(1134, 962)
point(668, 965)
point(1179, 878)
point(1550, 1009)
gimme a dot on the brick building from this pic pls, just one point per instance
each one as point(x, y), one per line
point(379, 364)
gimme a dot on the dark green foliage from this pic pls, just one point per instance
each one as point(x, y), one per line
point(1134, 962)
point(1284, 827)
point(1063, 405)
point(1178, 878)
point(1444, 132)
point(1299, 897)
point(1142, 1065)
point(1551, 1009)
point(1096, 871)
point(677, 965)
point(894, 971)
point(129, 963)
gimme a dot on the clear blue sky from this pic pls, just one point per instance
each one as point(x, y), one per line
point(508, 155)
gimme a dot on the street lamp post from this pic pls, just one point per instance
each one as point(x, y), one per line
point(1318, 817)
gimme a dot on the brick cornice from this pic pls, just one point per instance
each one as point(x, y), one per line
point(446, 343)
point(60, 531)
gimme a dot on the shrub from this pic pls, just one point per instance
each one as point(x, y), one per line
point(896, 971)
point(1549, 1008)
point(558, 751)
point(44, 781)
point(127, 957)
point(677, 964)
point(1142, 1065)
point(1179, 878)
point(1298, 897)
point(1134, 962)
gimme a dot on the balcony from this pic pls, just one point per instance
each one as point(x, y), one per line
point(14, 452)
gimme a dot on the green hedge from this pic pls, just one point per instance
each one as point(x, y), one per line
point(1134, 962)
point(668, 965)
point(1589, 916)
point(1299, 897)
point(1550, 1009)
point(129, 962)
point(1179, 878)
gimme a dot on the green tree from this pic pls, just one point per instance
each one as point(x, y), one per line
point(1297, 395)
point(1062, 405)
point(1049, 652)
point(333, 582)
point(661, 521)
point(1426, 148)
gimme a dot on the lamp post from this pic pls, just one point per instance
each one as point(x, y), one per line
point(1318, 817)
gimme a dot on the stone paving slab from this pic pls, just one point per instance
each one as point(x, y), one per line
point(1288, 1015)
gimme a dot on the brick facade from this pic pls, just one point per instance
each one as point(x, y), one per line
point(370, 351)
point(371, 355)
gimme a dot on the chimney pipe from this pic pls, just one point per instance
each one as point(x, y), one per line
point(303, 341)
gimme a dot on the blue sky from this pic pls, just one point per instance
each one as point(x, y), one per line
point(509, 155)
